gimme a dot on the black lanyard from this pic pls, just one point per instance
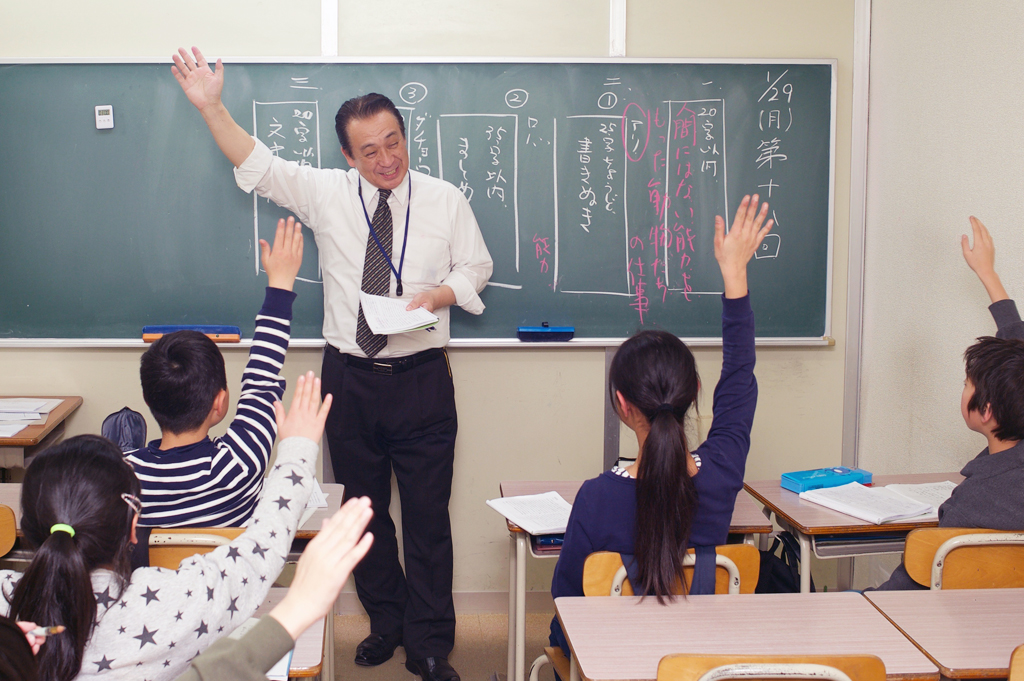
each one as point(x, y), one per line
point(376, 239)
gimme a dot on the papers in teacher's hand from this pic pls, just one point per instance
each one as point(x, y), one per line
point(546, 513)
point(386, 316)
point(884, 504)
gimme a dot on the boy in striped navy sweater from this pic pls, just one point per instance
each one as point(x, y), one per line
point(189, 479)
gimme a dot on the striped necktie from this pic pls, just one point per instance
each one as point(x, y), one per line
point(376, 273)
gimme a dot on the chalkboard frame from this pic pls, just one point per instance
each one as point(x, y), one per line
point(704, 341)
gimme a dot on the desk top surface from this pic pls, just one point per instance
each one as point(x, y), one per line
point(810, 518)
point(747, 517)
point(604, 636)
point(33, 435)
point(968, 633)
point(10, 495)
point(308, 658)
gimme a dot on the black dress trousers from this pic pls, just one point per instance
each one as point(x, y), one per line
point(403, 421)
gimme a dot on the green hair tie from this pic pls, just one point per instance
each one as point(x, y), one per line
point(61, 527)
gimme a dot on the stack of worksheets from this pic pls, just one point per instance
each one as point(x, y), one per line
point(884, 504)
point(17, 413)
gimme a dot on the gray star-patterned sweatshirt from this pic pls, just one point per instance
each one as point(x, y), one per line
point(164, 618)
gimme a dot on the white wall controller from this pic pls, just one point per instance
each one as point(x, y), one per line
point(104, 117)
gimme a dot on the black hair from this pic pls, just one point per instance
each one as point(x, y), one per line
point(657, 374)
point(995, 366)
point(78, 482)
point(181, 374)
point(17, 663)
point(359, 108)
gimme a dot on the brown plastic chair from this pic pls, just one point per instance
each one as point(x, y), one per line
point(965, 558)
point(169, 546)
point(8, 529)
point(737, 570)
point(720, 667)
point(1017, 664)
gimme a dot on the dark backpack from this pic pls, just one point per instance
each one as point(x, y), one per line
point(780, 574)
point(126, 429)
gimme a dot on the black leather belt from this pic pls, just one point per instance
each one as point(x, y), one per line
point(387, 366)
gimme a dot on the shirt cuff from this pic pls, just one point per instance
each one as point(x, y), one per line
point(1004, 312)
point(466, 296)
point(254, 167)
point(736, 308)
point(278, 303)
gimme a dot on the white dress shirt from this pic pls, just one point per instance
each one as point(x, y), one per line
point(445, 245)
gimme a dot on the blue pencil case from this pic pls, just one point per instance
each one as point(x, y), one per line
point(818, 478)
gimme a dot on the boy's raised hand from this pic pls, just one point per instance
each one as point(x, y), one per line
point(306, 417)
point(734, 250)
point(982, 259)
point(282, 263)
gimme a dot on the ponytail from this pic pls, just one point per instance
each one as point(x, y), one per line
point(656, 373)
point(76, 484)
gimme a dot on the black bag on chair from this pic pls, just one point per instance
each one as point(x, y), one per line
point(126, 429)
point(780, 574)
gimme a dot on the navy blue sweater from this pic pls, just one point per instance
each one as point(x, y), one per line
point(603, 514)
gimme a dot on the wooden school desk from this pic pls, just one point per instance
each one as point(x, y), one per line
point(308, 660)
point(624, 638)
point(831, 534)
point(34, 438)
point(967, 633)
point(747, 519)
point(10, 495)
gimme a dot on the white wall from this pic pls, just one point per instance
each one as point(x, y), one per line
point(523, 414)
point(947, 91)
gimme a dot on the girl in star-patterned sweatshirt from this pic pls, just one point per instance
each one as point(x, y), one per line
point(79, 509)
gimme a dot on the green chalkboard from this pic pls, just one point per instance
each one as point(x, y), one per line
point(595, 186)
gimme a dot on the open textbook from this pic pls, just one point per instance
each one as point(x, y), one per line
point(546, 513)
point(388, 315)
point(884, 504)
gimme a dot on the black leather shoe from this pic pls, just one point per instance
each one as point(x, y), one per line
point(432, 669)
point(377, 649)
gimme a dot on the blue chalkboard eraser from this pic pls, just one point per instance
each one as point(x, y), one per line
point(540, 334)
point(216, 333)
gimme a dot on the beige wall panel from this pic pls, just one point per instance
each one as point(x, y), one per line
point(143, 28)
point(947, 91)
point(523, 28)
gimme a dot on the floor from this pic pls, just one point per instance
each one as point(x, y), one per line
point(481, 645)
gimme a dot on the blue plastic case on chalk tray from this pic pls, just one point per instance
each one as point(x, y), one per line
point(801, 481)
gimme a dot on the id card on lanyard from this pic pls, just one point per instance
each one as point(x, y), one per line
point(376, 239)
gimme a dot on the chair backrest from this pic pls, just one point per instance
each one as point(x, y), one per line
point(719, 667)
point(965, 558)
point(1017, 664)
point(737, 568)
point(8, 529)
point(169, 546)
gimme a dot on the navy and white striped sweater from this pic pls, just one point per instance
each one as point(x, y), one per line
point(217, 482)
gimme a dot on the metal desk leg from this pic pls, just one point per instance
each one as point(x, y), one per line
point(574, 671)
point(328, 664)
point(521, 541)
point(512, 590)
point(805, 563)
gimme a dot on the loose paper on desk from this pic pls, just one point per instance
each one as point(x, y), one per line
point(546, 513)
point(386, 316)
point(874, 504)
point(22, 404)
point(11, 429)
point(317, 499)
point(279, 672)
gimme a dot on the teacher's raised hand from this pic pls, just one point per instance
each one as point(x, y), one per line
point(202, 85)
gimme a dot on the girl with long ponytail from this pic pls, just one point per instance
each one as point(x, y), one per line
point(675, 497)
